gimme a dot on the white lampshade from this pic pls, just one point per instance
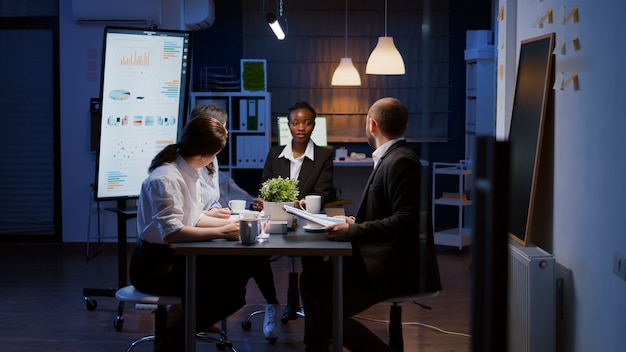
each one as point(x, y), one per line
point(385, 59)
point(346, 74)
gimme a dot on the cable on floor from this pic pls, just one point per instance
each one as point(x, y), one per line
point(418, 324)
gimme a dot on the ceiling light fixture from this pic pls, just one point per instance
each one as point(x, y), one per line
point(274, 21)
point(346, 74)
point(385, 59)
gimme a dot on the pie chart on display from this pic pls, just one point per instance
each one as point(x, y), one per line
point(119, 94)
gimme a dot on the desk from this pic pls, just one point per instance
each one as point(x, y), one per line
point(298, 243)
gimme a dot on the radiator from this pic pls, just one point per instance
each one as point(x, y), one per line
point(532, 299)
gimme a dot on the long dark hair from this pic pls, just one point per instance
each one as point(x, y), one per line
point(203, 135)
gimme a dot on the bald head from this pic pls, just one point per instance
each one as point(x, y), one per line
point(391, 116)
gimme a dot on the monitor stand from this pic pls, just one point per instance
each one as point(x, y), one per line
point(124, 213)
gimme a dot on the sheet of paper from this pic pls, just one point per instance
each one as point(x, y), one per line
point(319, 219)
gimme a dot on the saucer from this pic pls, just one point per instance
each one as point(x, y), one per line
point(313, 229)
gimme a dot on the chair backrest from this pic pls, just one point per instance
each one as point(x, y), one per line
point(425, 202)
point(430, 283)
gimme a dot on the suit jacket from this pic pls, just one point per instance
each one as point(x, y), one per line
point(316, 176)
point(386, 237)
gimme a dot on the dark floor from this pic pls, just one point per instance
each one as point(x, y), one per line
point(43, 308)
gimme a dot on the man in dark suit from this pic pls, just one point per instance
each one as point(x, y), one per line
point(389, 256)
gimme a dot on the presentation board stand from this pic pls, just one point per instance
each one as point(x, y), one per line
point(124, 213)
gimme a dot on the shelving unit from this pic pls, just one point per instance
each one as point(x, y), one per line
point(458, 236)
point(480, 100)
point(249, 133)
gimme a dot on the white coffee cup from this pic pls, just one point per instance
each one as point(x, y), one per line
point(237, 206)
point(313, 203)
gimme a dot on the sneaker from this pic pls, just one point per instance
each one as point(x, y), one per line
point(271, 327)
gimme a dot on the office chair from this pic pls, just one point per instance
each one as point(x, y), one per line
point(428, 264)
point(396, 341)
point(130, 294)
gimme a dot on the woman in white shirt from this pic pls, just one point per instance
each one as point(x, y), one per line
point(170, 211)
point(210, 175)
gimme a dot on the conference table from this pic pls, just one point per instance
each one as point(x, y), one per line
point(294, 243)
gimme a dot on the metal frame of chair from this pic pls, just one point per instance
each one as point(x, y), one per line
point(396, 340)
point(132, 295)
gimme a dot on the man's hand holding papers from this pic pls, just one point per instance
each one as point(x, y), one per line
point(319, 219)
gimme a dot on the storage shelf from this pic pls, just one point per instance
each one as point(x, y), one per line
point(455, 170)
point(451, 237)
point(457, 236)
point(249, 132)
point(451, 201)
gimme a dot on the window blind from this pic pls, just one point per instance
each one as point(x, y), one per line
point(27, 175)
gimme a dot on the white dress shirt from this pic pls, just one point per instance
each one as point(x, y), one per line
point(210, 187)
point(296, 163)
point(380, 151)
point(169, 200)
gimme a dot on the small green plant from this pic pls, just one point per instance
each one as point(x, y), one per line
point(280, 189)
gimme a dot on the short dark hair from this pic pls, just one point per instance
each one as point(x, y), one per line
point(302, 105)
point(210, 110)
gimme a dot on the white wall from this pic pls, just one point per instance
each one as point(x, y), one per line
point(80, 50)
point(589, 223)
point(80, 57)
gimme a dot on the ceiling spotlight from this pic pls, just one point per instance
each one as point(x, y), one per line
point(272, 20)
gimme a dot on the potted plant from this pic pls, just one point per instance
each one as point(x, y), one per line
point(276, 192)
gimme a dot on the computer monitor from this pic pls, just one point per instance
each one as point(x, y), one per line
point(143, 98)
point(319, 135)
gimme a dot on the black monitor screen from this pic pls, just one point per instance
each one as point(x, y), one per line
point(143, 89)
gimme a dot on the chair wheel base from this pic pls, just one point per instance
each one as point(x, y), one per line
point(246, 325)
point(292, 315)
point(118, 323)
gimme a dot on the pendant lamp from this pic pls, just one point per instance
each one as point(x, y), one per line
point(346, 74)
point(385, 59)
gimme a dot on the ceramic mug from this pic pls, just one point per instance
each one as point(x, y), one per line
point(248, 229)
point(237, 206)
point(312, 204)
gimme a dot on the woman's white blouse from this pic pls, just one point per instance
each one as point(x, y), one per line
point(169, 200)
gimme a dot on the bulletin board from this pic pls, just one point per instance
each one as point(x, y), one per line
point(532, 88)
